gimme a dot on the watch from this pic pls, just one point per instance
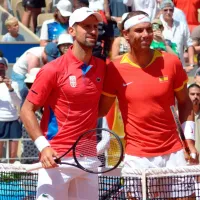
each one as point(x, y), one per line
point(192, 65)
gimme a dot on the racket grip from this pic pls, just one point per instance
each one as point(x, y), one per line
point(33, 167)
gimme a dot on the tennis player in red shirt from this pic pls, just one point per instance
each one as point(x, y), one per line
point(69, 89)
point(146, 83)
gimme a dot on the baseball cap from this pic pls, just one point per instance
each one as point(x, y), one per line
point(65, 8)
point(166, 3)
point(81, 14)
point(30, 77)
point(65, 39)
point(51, 51)
point(3, 61)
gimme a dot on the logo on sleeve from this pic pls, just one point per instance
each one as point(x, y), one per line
point(72, 81)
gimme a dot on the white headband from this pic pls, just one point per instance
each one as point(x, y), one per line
point(136, 20)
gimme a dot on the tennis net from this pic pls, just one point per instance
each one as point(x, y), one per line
point(162, 184)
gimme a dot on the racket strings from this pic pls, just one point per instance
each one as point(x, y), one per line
point(96, 150)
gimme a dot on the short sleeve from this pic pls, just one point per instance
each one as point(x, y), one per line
point(110, 81)
point(180, 76)
point(43, 85)
point(44, 31)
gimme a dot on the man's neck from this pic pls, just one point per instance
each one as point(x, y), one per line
point(82, 53)
point(169, 22)
point(141, 58)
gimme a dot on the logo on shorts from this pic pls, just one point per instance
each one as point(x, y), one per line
point(45, 195)
point(72, 81)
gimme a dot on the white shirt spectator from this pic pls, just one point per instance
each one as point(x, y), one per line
point(96, 5)
point(148, 6)
point(9, 102)
point(179, 34)
point(20, 67)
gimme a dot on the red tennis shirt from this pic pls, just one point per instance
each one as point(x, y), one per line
point(69, 91)
point(145, 96)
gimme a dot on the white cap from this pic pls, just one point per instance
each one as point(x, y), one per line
point(65, 38)
point(65, 8)
point(81, 14)
point(30, 77)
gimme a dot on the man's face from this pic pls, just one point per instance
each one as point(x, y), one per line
point(63, 48)
point(168, 13)
point(62, 19)
point(140, 36)
point(194, 94)
point(2, 70)
point(86, 32)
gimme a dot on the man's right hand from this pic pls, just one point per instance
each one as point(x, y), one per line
point(47, 157)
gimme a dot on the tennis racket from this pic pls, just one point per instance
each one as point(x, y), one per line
point(180, 131)
point(95, 151)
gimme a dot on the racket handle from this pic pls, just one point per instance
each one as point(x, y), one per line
point(33, 167)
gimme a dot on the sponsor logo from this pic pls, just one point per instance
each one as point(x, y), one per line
point(72, 81)
point(140, 18)
point(125, 84)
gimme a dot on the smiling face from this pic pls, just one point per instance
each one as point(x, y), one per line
point(86, 32)
point(140, 36)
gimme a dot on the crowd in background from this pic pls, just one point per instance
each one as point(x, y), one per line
point(176, 30)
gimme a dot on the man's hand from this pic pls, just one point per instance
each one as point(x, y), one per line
point(158, 36)
point(7, 81)
point(47, 157)
point(194, 155)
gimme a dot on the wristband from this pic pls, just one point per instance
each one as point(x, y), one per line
point(41, 142)
point(188, 129)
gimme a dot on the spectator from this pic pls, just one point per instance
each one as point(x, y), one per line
point(96, 5)
point(113, 11)
point(33, 57)
point(64, 42)
point(190, 8)
point(10, 99)
point(194, 94)
point(177, 32)
point(80, 3)
point(197, 77)
point(159, 41)
point(29, 149)
point(196, 42)
point(6, 5)
point(13, 35)
point(178, 14)
point(148, 6)
point(32, 8)
point(120, 45)
point(52, 28)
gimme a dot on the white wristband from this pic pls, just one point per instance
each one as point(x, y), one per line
point(41, 142)
point(189, 130)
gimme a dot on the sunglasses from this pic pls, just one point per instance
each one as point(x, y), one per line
point(168, 10)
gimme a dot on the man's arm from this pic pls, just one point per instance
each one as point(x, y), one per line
point(105, 104)
point(191, 54)
point(186, 113)
point(31, 124)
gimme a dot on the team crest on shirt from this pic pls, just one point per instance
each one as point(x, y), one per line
point(163, 78)
point(72, 81)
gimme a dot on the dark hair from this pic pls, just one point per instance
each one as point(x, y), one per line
point(132, 14)
point(80, 4)
point(193, 85)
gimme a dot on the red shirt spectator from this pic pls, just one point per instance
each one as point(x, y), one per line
point(190, 8)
